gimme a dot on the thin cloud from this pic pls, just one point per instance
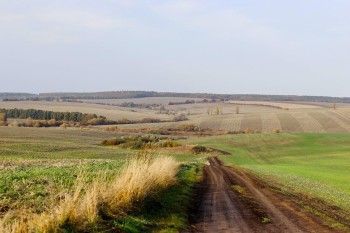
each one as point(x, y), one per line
point(177, 7)
point(82, 19)
point(10, 18)
point(75, 18)
point(217, 22)
point(63, 26)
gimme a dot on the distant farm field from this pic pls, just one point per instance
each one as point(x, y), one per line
point(252, 116)
point(263, 117)
point(111, 112)
point(145, 100)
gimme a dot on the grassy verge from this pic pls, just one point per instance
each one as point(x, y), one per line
point(167, 211)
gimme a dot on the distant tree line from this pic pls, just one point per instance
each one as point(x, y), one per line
point(64, 117)
point(14, 95)
point(242, 97)
point(30, 99)
point(48, 115)
point(141, 94)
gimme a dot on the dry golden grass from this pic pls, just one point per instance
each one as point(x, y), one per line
point(140, 178)
point(81, 209)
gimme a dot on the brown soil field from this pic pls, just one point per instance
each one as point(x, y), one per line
point(282, 105)
point(270, 122)
point(252, 122)
point(327, 122)
point(307, 122)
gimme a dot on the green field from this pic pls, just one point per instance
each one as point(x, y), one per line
point(314, 164)
point(40, 166)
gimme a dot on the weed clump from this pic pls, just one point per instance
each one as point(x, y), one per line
point(181, 117)
point(246, 131)
point(141, 142)
point(111, 128)
point(199, 149)
point(189, 128)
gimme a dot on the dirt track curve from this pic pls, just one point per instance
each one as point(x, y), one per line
point(250, 209)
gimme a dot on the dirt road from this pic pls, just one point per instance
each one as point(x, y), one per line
point(229, 201)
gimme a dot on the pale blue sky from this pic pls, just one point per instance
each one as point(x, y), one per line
point(252, 46)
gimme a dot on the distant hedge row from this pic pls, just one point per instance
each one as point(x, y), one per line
point(77, 117)
point(48, 115)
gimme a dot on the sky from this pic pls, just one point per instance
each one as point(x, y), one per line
point(238, 46)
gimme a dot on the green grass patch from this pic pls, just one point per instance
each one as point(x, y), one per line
point(167, 211)
point(39, 166)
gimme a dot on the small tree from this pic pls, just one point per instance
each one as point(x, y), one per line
point(237, 110)
point(217, 110)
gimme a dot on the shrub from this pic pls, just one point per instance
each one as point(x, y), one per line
point(38, 124)
point(64, 125)
point(53, 122)
point(199, 149)
point(160, 131)
point(189, 128)
point(181, 117)
point(114, 142)
point(169, 143)
point(248, 131)
point(111, 128)
point(150, 120)
point(124, 121)
point(15, 124)
point(95, 121)
point(109, 142)
point(140, 142)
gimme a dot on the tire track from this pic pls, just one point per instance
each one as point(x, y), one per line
point(221, 209)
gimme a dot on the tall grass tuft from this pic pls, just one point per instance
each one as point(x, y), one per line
point(81, 210)
point(139, 178)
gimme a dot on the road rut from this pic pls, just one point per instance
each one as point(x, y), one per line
point(229, 201)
